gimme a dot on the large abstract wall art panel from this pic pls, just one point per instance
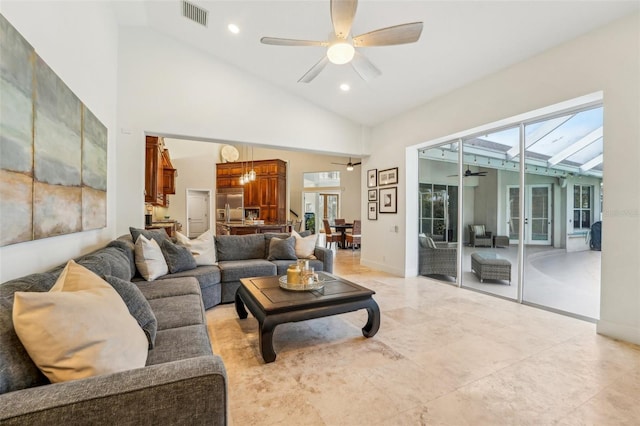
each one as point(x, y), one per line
point(53, 150)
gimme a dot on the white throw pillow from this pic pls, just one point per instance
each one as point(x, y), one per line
point(203, 248)
point(149, 259)
point(305, 246)
point(80, 328)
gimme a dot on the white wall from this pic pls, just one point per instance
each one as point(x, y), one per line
point(195, 163)
point(79, 42)
point(170, 89)
point(607, 60)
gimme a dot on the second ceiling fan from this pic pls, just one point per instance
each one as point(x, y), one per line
point(468, 173)
point(349, 164)
point(341, 48)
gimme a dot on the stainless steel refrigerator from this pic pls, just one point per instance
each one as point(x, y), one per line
point(230, 206)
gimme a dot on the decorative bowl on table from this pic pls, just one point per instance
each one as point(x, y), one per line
point(315, 285)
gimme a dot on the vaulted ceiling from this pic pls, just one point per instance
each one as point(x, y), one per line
point(462, 41)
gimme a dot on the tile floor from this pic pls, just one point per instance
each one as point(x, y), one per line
point(443, 356)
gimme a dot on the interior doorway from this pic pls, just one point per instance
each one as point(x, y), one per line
point(198, 211)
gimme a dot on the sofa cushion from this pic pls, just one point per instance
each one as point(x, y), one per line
point(180, 343)
point(157, 234)
point(107, 261)
point(178, 311)
point(240, 247)
point(203, 247)
point(138, 306)
point(80, 328)
point(179, 258)
point(235, 270)
point(125, 243)
point(149, 259)
point(282, 249)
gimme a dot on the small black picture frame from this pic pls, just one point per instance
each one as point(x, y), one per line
point(372, 178)
point(372, 212)
point(372, 195)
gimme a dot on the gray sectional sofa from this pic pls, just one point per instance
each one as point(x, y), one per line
point(183, 382)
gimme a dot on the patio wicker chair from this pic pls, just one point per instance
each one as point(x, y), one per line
point(479, 236)
point(437, 258)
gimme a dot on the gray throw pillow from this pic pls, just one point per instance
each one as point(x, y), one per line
point(157, 234)
point(282, 249)
point(138, 306)
point(179, 258)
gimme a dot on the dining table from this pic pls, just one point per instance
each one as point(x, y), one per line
point(342, 228)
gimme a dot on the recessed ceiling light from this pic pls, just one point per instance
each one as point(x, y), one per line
point(233, 28)
point(345, 87)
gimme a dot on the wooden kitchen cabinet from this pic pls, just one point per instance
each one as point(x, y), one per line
point(268, 192)
point(153, 181)
point(160, 175)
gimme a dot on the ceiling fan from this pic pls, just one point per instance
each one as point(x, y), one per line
point(349, 164)
point(468, 173)
point(341, 45)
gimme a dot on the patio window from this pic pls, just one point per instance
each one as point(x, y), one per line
point(582, 210)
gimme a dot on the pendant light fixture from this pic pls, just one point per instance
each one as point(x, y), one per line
point(252, 173)
point(246, 169)
point(242, 178)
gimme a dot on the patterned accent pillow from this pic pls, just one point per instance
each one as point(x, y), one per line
point(478, 230)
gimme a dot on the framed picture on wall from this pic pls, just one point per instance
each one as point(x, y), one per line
point(388, 200)
point(372, 211)
point(372, 178)
point(373, 195)
point(388, 177)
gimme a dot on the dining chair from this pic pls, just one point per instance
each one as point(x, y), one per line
point(354, 237)
point(331, 237)
point(339, 221)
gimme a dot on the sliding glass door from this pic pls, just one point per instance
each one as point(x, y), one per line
point(525, 206)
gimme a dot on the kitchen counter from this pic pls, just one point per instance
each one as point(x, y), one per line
point(242, 228)
point(170, 226)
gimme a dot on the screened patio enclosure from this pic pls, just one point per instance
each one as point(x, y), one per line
point(537, 185)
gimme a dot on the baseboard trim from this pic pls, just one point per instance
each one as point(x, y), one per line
point(382, 267)
point(619, 331)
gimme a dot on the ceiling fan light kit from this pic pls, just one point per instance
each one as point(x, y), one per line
point(340, 53)
point(341, 49)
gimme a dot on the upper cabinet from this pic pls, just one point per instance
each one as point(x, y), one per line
point(268, 192)
point(160, 174)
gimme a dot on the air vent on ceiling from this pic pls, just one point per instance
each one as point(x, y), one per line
point(195, 13)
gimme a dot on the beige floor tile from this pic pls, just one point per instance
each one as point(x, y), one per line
point(442, 356)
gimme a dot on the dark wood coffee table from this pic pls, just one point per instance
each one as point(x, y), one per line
point(272, 305)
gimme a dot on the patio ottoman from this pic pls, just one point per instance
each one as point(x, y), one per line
point(490, 266)
point(500, 241)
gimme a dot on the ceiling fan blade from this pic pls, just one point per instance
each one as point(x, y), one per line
point(398, 34)
point(342, 14)
point(292, 42)
point(314, 71)
point(341, 164)
point(364, 67)
point(356, 164)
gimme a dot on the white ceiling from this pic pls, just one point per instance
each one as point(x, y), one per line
point(462, 41)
